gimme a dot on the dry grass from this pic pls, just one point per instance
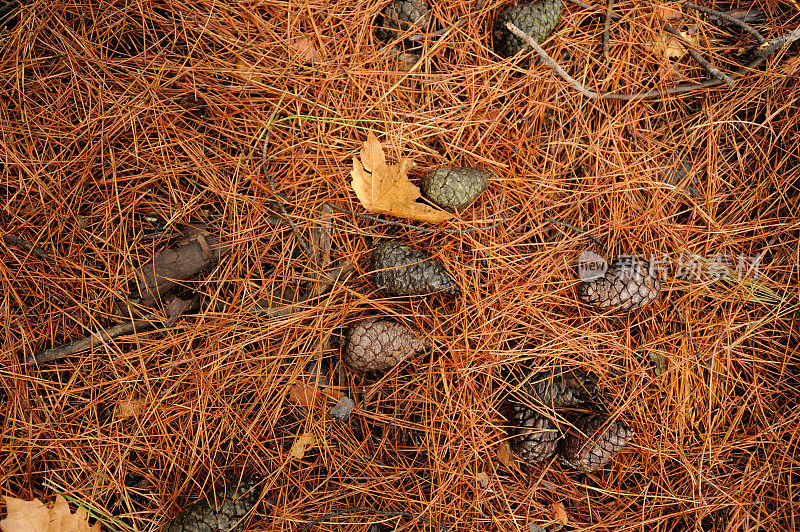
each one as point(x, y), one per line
point(110, 111)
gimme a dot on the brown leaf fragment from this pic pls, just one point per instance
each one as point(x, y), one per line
point(560, 513)
point(386, 189)
point(304, 50)
point(670, 46)
point(302, 444)
point(667, 12)
point(129, 407)
point(505, 455)
point(34, 516)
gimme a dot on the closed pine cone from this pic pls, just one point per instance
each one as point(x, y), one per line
point(564, 389)
point(628, 284)
point(399, 269)
point(375, 344)
point(595, 442)
point(224, 511)
point(400, 16)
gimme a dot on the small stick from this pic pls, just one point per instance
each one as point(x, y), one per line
point(584, 5)
point(36, 250)
point(320, 288)
point(416, 227)
point(762, 52)
point(100, 337)
point(577, 229)
point(368, 509)
point(724, 16)
point(441, 31)
point(607, 28)
point(711, 69)
point(300, 240)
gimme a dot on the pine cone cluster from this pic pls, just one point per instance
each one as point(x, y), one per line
point(534, 435)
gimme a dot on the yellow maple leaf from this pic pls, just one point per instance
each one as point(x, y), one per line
point(386, 189)
point(34, 516)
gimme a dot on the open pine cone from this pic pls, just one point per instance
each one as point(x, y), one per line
point(628, 284)
point(533, 437)
point(224, 511)
point(594, 442)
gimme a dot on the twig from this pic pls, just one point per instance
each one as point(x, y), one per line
point(262, 308)
point(727, 18)
point(607, 28)
point(300, 240)
point(100, 337)
point(417, 227)
point(36, 250)
point(577, 229)
point(711, 69)
point(584, 5)
point(373, 510)
point(762, 52)
point(441, 31)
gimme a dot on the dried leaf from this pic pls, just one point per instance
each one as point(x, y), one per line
point(505, 455)
point(483, 479)
point(129, 407)
point(308, 395)
point(386, 189)
point(668, 12)
point(560, 513)
point(34, 516)
point(305, 50)
point(301, 445)
point(670, 46)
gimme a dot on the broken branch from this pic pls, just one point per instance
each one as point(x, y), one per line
point(711, 69)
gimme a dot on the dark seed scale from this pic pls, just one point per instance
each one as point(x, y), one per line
point(629, 284)
point(402, 15)
point(533, 437)
point(594, 442)
point(564, 390)
point(453, 188)
point(536, 18)
point(401, 270)
point(224, 511)
point(380, 344)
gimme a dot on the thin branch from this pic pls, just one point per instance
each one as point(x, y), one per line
point(300, 240)
point(577, 229)
point(711, 69)
point(322, 286)
point(588, 7)
point(727, 18)
point(368, 509)
point(36, 250)
point(103, 336)
point(762, 52)
point(441, 31)
point(607, 28)
point(417, 227)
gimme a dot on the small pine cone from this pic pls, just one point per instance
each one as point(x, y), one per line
point(537, 19)
point(223, 511)
point(401, 16)
point(401, 270)
point(595, 442)
point(453, 188)
point(533, 436)
point(378, 345)
point(564, 390)
point(629, 284)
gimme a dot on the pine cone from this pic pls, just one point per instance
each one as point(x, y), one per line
point(565, 389)
point(401, 270)
point(379, 344)
point(533, 436)
point(595, 442)
point(224, 511)
point(453, 188)
point(628, 284)
point(401, 16)
point(536, 18)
